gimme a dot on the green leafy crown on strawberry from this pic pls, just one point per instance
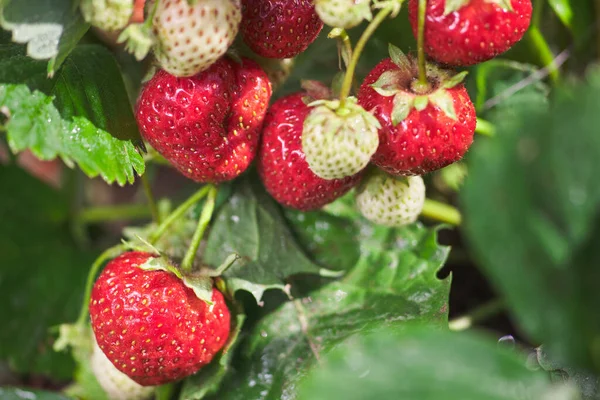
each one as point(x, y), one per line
point(409, 93)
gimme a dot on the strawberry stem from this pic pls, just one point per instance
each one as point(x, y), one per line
point(421, 43)
point(485, 128)
point(182, 209)
point(205, 217)
point(441, 212)
point(360, 45)
point(540, 44)
point(150, 198)
point(477, 315)
point(105, 256)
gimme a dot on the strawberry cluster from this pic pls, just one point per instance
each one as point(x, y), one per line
point(210, 115)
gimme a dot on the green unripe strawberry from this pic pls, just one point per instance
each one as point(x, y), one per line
point(116, 384)
point(391, 201)
point(343, 13)
point(108, 15)
point(338, 141)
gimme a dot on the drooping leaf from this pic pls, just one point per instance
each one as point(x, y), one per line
point(50, 28)
point(251, 225)
point(42, 274)
point(539, 245)
point(81, 115)
point(427, 364)
point(394, 282)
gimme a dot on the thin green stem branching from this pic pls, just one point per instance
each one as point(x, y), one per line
point(205, 217)
point(360, 45)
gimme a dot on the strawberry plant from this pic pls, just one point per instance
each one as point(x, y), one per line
point(294, 199)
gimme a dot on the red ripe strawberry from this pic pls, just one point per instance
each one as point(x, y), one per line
point(282, 165)
point(421, 130)
point(151, 326)
point(279, 28)
point(468, 32)
point(207, 125)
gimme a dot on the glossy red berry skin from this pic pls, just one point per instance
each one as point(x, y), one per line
point(208, 125)
point(424, 141)
point(281, 164)
point(476, 32)
point(151, 326)
point(279, 28)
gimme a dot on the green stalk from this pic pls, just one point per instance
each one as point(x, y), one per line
point(105, 256)
point(421, 43)
point(441, 212)
point(544, 52)
point(182, 209)
point(481, 313)
point(360, 46)
point(150, 199)
point(539, 42)
point(205, 217)
point(485, 128)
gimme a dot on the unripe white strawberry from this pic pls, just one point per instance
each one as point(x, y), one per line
point(338, 141)
point(343, 13)
point(190, 38)
point(108, 15)
point(389, 200)
point(116, 384)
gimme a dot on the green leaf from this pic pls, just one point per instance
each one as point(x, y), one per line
point(575, 15)
point(454, 5)
point(387, 84)
point(539, 247)
point(399, 58)
point(208, 380)
point(28, 394)
point(81, 115)
point(443, 100)
point(455, 80)
point(426, 364)
point(51, 28)
point(330, 241)
point(251, 225)
point(394, 281)
point(42, 274)
point(421, 102)
point(403, 104)
point(562, 9)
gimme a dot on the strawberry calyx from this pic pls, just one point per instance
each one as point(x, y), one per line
point(455, 5)
point(395, 5)
point(409, 93)
point(373, 180)
point(201, 281)
point(350, 107)
point(138, 39)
